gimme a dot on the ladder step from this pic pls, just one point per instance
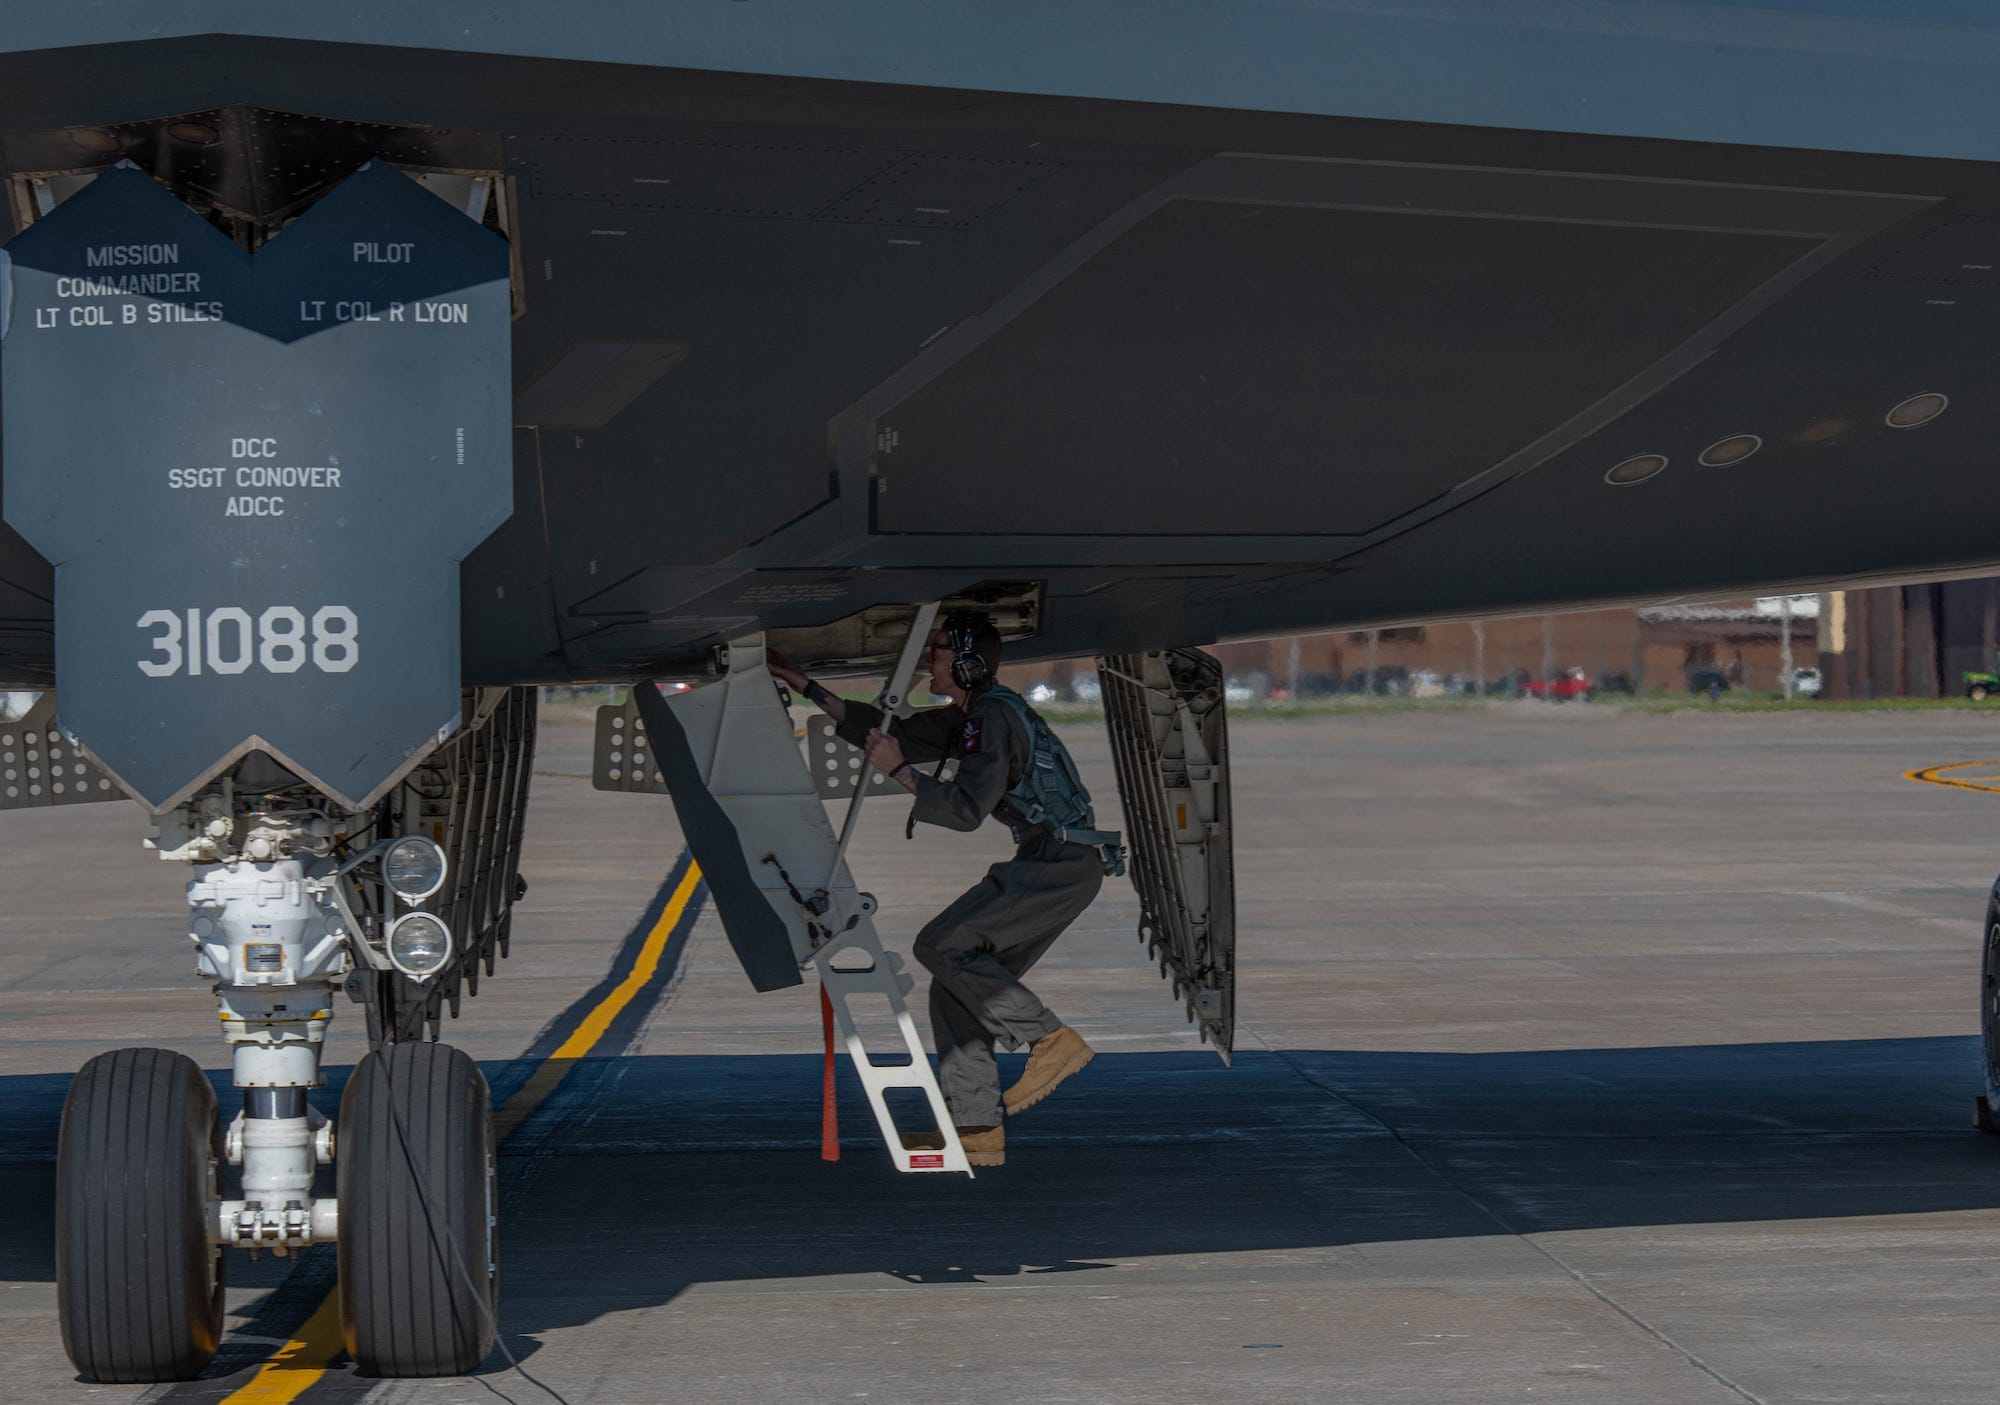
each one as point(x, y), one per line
point(887, 1077)
point(884, 978)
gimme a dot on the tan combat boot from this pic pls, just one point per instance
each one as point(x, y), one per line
point(1051, 1059)
point(984, 1146)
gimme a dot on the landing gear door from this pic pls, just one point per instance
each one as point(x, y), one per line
point(256, 475)
point(1170, 744)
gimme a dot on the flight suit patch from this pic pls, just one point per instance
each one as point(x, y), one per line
point(969, 735)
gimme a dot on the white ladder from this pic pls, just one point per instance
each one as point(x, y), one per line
point(855, 963)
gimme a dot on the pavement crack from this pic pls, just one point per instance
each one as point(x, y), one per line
point(1630, 1316)
point(1507, 1227)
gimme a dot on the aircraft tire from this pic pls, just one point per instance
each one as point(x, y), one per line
point(1983, 1109)
point(138, 1278)
point(419, 1276)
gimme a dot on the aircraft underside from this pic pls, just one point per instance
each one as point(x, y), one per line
point(352, 391)
point(787, 350)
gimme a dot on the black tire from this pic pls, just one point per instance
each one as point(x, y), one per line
point(1989, 1016)
point(419, 1277)
point(138, 1281)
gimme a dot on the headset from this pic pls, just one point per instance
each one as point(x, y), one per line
point(968, 666)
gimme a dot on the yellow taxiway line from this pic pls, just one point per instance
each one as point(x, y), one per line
point(302, 1362)
point(1934, 775)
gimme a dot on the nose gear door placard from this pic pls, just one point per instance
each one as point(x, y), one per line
point(256, 474)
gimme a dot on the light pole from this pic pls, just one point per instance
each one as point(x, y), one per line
point(1785, 646)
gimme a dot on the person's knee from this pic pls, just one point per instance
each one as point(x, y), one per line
point(930, 949)
point(944, 946)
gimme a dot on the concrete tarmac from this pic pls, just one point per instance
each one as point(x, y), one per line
point(1582, 1056)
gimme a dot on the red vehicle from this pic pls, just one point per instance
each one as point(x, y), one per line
point(1572, 684)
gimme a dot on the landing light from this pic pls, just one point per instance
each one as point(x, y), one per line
point(413, 868)
point(1918, 409)
point(419, 945)
point(1635, 470)
point(1733, 450)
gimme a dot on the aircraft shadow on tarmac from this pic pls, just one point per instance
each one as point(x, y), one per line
point(643, 1175)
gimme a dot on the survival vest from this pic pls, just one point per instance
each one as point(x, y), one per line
point(1050, 792)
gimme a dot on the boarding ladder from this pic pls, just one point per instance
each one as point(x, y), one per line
point(746, 752)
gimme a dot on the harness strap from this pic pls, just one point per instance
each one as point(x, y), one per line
point(1050, 774)
point(1099, 837)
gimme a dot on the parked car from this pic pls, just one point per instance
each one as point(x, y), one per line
point(1805, 683)
point(1388, 680)
point(1511, 685)
point(1040, 693)
point(1086, 689)
point(1712, 681)
point(1571, 685)
point(1613, 683)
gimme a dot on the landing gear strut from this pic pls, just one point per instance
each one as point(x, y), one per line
point(293, 898)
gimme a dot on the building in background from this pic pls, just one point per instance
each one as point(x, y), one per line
point(1908, 640)
point(1885, 641)
point(1657, 648)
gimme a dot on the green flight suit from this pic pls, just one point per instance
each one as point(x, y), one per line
point(978, 948)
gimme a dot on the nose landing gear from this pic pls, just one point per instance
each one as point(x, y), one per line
point(294, 897)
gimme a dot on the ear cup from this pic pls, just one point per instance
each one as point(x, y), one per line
point(968, 667)
point(968, 670)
